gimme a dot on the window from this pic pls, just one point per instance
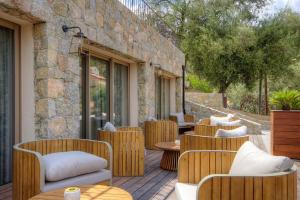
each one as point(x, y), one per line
point(162, 97)
point(104, 94)
point(9, 97)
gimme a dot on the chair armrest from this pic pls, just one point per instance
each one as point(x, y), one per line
point(28, 173)
point(189, 118)
point(196, 164)
point(281, 185)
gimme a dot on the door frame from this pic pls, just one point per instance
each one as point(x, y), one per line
point(16, 83)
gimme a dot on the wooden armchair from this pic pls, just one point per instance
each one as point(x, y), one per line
point(199, 142)
point(128, 150)
point(187, 118)
point(28, 167)
point(204, 128)
point(209, 170)
point(159, 131)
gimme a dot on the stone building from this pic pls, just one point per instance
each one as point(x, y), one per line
point(124, 72)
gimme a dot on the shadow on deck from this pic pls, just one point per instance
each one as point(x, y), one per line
point(156, 184)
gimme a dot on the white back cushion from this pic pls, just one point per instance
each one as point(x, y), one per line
point(214, 120)
point(250, 160)
point(232, 133)
point(180, 117)
point(109, 127)
point(151, 119)
point(62, 165)
point(230, 123)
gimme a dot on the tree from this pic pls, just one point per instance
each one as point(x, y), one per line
point(220, 41)
point(277, 48)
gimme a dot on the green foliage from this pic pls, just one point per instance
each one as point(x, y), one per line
point(286, 100)
point(199, 84)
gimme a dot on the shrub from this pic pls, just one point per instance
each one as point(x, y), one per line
point(199, 84)
point(286, 100)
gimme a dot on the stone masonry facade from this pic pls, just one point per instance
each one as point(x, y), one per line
point(57, 72)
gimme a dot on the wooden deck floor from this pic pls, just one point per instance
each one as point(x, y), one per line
point(157, 184)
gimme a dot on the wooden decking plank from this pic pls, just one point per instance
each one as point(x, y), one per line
point(158, 186)
point(149, 185)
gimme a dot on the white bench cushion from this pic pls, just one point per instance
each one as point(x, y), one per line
point(214, 120)
point(250, 160)
point(86, 179)
point(186, 191)
point(241, 131)
point(62, 165)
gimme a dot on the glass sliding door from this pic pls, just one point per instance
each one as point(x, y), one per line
point(162, 97)
point(98, 94)
point(7, 136)
point(120, 88)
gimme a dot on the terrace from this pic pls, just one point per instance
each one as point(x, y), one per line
point(126, 69)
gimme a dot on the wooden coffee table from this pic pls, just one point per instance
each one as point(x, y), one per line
point(88, 192)
point(169, 160)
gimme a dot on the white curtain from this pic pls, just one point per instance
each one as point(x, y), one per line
point(6, 104)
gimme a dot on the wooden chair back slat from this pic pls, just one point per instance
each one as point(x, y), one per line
point(159, 131)
point(128, 150)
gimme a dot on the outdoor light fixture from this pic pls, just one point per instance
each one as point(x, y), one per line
point(77, 39)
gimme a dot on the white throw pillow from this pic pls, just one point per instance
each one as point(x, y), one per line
point(180, 117)
point(232, 133)
point(230, 123)
point(214, 120)
point(151, 119)
point(62, 165)
point(250, 160)
point(109, 127)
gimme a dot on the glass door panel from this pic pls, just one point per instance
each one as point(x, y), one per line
point(6, 104)
point(99, 94)
point(120, 116)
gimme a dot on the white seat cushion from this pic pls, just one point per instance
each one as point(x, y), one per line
point(62, 165)
point(86, 179)
point(230, 123)
point(186, 191)
point(241, 131)
point(109, 127)
point(151, 119)
point(186, 124)
point(250, 160)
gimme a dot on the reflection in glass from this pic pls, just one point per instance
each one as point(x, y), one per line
point(120, 95)
point(162, 97)
point(6, 104)
point(99, 94)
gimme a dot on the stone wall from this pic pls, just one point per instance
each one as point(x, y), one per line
point(209, 99)
point(57, 73)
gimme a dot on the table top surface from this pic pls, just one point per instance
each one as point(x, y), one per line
point(88, 192)
point(170, 146)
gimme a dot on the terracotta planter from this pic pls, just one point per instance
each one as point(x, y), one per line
point(285, 136)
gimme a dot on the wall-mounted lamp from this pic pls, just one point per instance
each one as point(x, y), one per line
point(77, 39)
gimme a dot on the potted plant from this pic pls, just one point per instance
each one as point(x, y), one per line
point(285, 121)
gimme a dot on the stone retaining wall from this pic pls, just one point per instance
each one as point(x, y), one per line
point(209, 99)
point(202, 111)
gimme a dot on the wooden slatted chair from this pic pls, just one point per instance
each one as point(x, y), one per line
point(206, 129)
point(159, 131)
point(199, 142)
point(209, 170)
point(187, 118)
point(28, 167)
point(128, 150)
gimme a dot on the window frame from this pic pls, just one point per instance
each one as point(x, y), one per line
point(162, 96)
point(85, 65)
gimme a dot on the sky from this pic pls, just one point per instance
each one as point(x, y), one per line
point(280, 4)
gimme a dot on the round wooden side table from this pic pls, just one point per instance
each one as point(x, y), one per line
point(88, 192)
point(169, 160)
